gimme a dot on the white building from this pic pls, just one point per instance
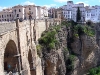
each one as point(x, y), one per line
point(93, 14)
point(22, 12)
point(32, 9)
point(87, 13)
point(70, 10)
point(18, 12)
point(82, 11)
point(42, 12)
point(37, 12)
point(6, 15)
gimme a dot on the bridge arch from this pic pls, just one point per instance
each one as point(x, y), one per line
point(10, 57)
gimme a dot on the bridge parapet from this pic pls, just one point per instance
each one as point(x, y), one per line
point(7, 26)
point(10, 26)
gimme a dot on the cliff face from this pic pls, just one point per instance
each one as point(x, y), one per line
point(88, 56)
point(54, 63)
point(70, 58)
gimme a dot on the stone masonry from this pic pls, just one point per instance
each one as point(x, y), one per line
point(18, 42)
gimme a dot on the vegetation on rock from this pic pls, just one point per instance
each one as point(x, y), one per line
point(39, 47)
point(48, 38)
point(94, 71)
point(80, 30)
point(75, 30)
point(70, 64)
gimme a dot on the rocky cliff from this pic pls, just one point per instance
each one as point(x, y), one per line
point(68, 50)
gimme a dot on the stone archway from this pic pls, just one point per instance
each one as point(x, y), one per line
point(10, 58)
point(30, 59)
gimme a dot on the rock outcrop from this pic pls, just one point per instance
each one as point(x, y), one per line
point(57, 61)
point(54, 59)
point(88, 57)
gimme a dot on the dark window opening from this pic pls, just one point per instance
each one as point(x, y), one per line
point(29, 8)
point(15, 11)
point(17, 15)
point(19, 10)
point(10, 15)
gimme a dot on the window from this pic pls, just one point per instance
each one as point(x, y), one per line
point(17, 15)
point(15, 10)
point(68, 12)
point(68, 16)
point(19, 10)
point(10, 15)
point(29, 8)
point(2, 16)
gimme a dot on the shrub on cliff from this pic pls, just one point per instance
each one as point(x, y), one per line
point(94, 71)
point(70, 62)
point(80, 30)
point(48, 38)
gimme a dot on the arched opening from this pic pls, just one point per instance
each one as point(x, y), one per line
point(32, 70)
point(10, 58)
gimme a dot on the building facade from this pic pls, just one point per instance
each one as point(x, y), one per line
point(93, 14)
point(18, 12)
point(6, 15)
point(22, 12)
point(70, 10)
point(55, 13)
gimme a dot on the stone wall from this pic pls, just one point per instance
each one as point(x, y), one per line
point(25, 35)
point(7, 26)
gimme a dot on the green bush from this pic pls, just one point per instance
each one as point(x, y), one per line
point(72, 57)
point(57, 28)
point(65, 23)
point(71, 60)
point(80, 30)
point(48, 39)
point(89, 31)
point(94, 71)
point(39, 47)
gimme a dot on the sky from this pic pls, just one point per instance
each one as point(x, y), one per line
point(49, 3)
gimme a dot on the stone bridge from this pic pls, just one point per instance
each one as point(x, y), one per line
point(18, 42)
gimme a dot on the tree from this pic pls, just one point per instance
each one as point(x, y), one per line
point(78, 15)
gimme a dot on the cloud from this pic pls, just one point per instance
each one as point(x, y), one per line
point(28, 3)
point(51, 5)
point(61, 1)
point(85, 4)
point(2, 8)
